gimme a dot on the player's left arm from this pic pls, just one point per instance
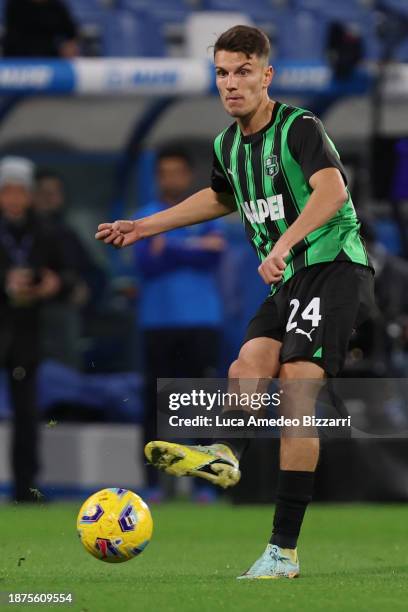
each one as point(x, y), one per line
point(323, 170)
point(328, 196)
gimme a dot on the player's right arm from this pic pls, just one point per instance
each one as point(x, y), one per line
point(202, 206)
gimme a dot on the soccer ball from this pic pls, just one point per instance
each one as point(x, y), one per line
point(114, 525)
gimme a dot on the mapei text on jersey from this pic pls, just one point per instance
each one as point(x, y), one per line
point(257, 212)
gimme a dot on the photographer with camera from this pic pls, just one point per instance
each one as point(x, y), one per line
point(33, 270)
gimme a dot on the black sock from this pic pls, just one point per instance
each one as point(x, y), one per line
point(237, 445)
point(294, 493)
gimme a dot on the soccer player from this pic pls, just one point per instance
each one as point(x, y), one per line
point(275, 165)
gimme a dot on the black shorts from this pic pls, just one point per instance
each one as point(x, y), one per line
point(314, 313)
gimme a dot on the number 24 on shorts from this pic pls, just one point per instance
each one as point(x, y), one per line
point(310, 313)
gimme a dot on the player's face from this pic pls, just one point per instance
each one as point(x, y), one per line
point(242, 82)
point(14, 201)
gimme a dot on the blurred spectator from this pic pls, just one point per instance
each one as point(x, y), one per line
point(62, 318)
point(391, 274)
point(381, 344)
point(39, 28)
point(180, 309)
point(32, 271)
point(345, 49)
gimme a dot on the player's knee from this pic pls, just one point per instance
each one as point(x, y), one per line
point(299, 370)
point(235, 369)
point(291, 370)
point(242, 368)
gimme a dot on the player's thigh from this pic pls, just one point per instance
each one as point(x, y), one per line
point(324, 305)
point(262, 343)
point(258, 358)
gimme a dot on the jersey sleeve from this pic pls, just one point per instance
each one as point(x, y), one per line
point(219, 182)
point(311, 147)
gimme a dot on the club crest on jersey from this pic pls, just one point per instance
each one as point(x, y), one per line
point(271, 166)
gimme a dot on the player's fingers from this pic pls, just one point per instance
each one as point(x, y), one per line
point(123, 226)
point(269, 268)
point(275, 279)
point(118, 242)
point(280, 263)
point(112, 236)
point(269, 273)
point(264, 274)
point(276, 276)
point(100, 235)
point(104, 226)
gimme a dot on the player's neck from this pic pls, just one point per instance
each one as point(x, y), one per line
point(258, 119)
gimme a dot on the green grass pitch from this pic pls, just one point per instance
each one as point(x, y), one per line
point(353, 557)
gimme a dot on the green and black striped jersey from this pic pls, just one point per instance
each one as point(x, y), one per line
point(268, 173)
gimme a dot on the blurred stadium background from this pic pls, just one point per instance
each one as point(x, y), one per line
point(143, 79)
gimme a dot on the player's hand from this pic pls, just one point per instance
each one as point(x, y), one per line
point(272, 268)
point(119, 234)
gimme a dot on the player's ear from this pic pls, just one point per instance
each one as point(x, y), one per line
point(268, 75)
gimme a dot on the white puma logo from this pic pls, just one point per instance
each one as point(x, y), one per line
point(230, 172)
point(302, 331)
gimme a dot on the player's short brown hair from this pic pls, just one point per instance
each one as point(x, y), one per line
point(244, 39)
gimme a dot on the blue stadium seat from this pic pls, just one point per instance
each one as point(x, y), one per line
point(401, 54)
point(356, 13)
point(131, 34)
point(86, 12)
point(258, 10)
point(387, 233)
point(170, 11)
point(400, 6)
point(301, 35)
point(343, 12)
point(295, 34)
point(321, 5)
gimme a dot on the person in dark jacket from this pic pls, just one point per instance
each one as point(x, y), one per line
point(33, 270)
point(63, 319)
point(39, 28)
